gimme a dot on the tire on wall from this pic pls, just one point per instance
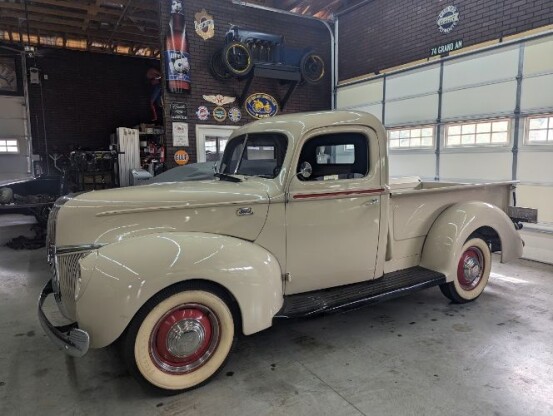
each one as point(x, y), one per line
point(237, 58)
point(473, 272)
point(181, 338)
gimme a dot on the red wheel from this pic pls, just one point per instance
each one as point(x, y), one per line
point(180, 339)
point(472, 274)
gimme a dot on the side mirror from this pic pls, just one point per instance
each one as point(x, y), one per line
point(306, 170)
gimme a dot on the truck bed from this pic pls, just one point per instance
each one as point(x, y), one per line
point(415, 205)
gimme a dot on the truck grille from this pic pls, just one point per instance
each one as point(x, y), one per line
point(51, 232)
point(67, 271)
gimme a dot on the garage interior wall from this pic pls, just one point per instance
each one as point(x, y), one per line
point(298, 33)
point(510, 80)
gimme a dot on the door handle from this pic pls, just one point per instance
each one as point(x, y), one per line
point(372, 201)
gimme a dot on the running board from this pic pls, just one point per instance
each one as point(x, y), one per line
point(389, 286)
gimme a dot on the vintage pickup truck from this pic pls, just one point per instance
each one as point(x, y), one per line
point(299, 219)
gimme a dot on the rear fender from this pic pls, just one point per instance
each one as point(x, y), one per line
point(453, 227)
point(119, 278)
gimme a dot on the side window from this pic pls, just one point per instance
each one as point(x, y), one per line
point(336, 156)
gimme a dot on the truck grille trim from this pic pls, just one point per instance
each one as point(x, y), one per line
point(67, 271)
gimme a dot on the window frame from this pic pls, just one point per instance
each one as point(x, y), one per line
point(548, 143)
point(476, 122)
point(6, 146)
point(410, 128)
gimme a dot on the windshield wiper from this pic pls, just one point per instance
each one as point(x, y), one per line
point(226, 177)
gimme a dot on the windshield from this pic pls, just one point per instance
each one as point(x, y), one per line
point(255, 154)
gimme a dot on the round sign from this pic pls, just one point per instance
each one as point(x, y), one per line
point(261, 106)
point(219, 114)
point(448, 19)
point(234, 114)
point(181, 157)
point(202, 113)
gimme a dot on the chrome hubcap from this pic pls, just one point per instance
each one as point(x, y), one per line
point(471, 268)
point(184, 338)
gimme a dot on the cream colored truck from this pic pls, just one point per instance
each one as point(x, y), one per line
point(300, 219)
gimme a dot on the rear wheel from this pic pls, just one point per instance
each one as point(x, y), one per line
point(473, 272)
point(180, 339)
point(217, 67)
point(237, 58)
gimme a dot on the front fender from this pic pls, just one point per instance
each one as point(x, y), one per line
point(119, 278)
point(453, 227)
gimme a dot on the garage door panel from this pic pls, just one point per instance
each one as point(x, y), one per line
point(535, 166)
point(12, 107)
point(492, 99)
point(481, 68)
point(355, 95)
point(538, 56)
point(413, 164)
point(476, 166)
point(413, 110)
point(375, 110)
point(421, 81)
point(537, 93)
point(538, 197)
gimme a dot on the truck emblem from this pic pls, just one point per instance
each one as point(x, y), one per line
point(244, 211)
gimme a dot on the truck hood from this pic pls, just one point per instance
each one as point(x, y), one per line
point(212, 206)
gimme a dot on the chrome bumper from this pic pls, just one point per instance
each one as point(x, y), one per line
point(70, 338)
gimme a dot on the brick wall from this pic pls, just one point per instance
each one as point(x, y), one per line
point(298, 32)
point(386, 33)
point(86, 97)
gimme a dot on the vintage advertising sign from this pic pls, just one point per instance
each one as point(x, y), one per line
point(219, 114)
point(204, 25)
point(178, 111)
point(234, 114)
point(181, 157)
point(448, 19)
point(261, 106)
point(219, 99)
point(446, 47)
point(202, 113)
point(180, 134)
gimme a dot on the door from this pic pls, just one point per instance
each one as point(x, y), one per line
point(333, 217)
point(211, 141)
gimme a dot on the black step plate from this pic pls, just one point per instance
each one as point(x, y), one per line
point(389, 286)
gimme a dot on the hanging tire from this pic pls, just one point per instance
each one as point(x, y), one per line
point(217, 68)
point(237, 58)
point(473, 272)
point(312, 68)
point(181, 338)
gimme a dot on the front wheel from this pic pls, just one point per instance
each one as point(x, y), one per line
point(473, 272)
point(180, 339)
point(312, 68)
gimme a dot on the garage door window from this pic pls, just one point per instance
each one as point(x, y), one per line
point(411, 138)
point(8, 146)
point(481, 133)
point(540, 130)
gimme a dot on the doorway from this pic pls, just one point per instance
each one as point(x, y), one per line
point(211, 141)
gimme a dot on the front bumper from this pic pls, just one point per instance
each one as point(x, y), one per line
point(70, 338)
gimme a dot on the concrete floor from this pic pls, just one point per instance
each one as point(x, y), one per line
point(418, 355)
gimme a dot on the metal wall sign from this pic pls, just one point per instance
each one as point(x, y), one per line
point(219, 99)
point(234, 114)
point(448, 19)
point(178, 111)
point(261, 106)
point(181, 157)
point(446, 47)
point(204, 25)
point(180, 134)
point(202, 113)
point(219, 114)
